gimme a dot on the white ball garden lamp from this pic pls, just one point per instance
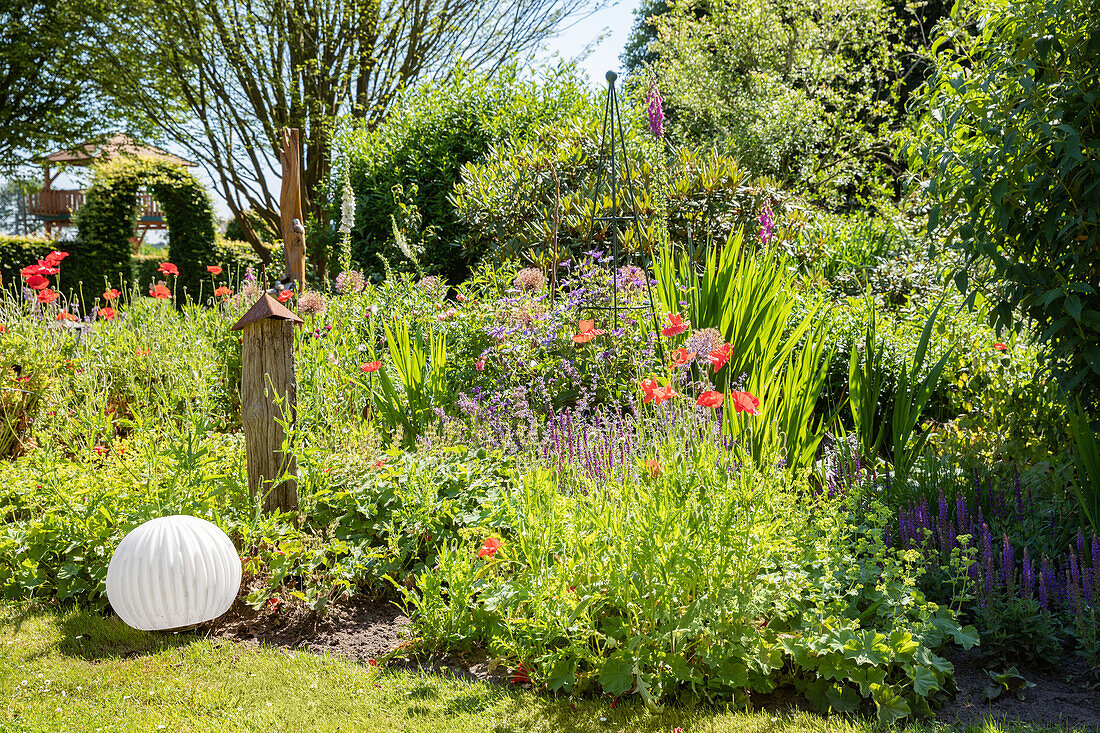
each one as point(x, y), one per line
point(172, 572)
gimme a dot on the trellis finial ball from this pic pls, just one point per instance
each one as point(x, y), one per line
point(172, 572)
point(611, 77)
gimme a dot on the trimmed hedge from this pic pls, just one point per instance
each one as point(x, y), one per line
point(18, 252)
point(105, 223)
point(232, 255)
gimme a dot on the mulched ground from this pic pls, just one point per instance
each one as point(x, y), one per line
point(365, 631)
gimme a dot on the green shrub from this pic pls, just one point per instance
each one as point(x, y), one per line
point(509, 203)
point(18, 252)
point(415, 155)
point(1011, 143)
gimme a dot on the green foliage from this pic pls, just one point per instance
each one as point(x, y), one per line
point(1087, 483)
point(18, 252)
point(393, 517)
point(916, 388)
point(534, 197)
point(1008, 681)
point(1010, 144)
point(421, 368)
point(105, 224)
point(414, 157)
point(49, 70)
point(656, 587)
point(892, 424)
point(776, 354)
point(260, 226)
point(802, 92)
point(1017, 631)
point(866, 378)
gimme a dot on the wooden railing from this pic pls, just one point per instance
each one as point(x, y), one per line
point(55, 204)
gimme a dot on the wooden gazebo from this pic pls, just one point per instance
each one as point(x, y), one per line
point(56, 207)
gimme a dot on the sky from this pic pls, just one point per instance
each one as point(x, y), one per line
point(607, 29)
point(595, 42)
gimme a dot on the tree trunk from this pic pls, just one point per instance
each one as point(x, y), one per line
point(269, 394)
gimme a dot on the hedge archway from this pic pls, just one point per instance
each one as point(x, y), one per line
point(107, 220)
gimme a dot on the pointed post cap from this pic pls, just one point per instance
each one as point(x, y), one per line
point(266, 307)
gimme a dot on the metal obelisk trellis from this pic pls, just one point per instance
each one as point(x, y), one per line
point(613, 147)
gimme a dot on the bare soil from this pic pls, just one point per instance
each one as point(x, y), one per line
point(362, 631)
point(1064, 694)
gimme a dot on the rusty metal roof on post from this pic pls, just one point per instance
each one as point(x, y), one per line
point(266, 307)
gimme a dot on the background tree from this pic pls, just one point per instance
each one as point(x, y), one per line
point(46, 69)
point(801, 90)
point(1011, 143)
point(221, 78)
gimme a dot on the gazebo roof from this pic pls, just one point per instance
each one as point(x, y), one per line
point(93, 150)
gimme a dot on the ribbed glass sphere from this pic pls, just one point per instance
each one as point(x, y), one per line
point(171, 572)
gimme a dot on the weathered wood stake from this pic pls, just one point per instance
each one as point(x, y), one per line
point(290, 209)
point(269, 394)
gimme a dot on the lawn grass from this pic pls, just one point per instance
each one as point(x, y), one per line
point(79, 671)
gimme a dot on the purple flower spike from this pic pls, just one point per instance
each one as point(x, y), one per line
point(1008, 565)
point(1028, 577)
point(656, 112)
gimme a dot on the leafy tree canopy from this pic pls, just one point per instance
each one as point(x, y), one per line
point(1011, 143)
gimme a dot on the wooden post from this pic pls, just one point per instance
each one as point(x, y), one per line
point(269, 394)
point(290, 209)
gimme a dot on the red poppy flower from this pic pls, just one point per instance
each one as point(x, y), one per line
point(285, 296)
point(521, 676)
point(168, 268)
point(3, 328)
point(664, 393)
point(222, 292)
point(710, 398)
point(54, 258)
point(160, 290)
point(46, 296)
point(587, 331)
point(489, 547)
point(37, 282)
point(370, 366)
point(65, 316)
point(214, 270)
point(655, 392)
point(42, 268)
point(720, 357)
point(653, 468)
point(998, 346)
point(141, 352)
point(111, 294)
point(682, 357)
point(107, 313)
point(745, 402)
point(675, 325)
